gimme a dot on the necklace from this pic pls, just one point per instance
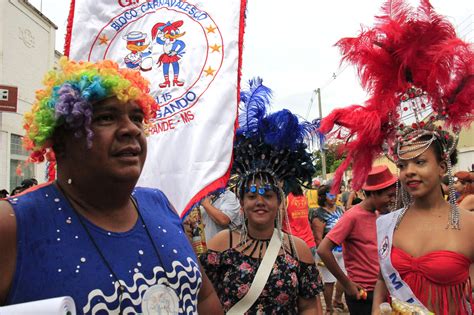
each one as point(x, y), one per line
point(156, 290)
point(252, 245)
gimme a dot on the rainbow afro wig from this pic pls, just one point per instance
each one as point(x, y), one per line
point(68, 97)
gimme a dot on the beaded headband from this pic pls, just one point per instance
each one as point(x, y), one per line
point(419, 126)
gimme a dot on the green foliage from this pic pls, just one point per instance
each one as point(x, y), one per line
point(333, 160)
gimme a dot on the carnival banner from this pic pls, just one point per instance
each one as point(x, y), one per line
point(191, 53)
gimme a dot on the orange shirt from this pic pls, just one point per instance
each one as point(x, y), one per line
point(298, 219)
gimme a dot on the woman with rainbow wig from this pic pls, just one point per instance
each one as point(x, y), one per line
point(91, 234)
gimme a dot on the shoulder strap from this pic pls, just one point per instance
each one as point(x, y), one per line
point(290, 241)
point(261, 277)
point(230, 238)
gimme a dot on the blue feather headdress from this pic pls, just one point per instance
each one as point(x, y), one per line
point(272, 146)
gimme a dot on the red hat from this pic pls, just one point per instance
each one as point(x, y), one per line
point(379, 177)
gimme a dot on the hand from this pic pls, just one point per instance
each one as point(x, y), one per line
point(172, 53)
point(354, 290)
point(206, 202)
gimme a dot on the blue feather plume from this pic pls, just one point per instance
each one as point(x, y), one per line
point(256, 99)
point(319, 138)
point(274, 144)
point(282, 129)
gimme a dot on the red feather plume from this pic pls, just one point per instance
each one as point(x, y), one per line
point(406, 47)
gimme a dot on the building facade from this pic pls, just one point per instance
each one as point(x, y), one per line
point(27, 40)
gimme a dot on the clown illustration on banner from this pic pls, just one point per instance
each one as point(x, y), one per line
point(191, 54)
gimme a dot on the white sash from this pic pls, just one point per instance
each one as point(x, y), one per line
point(261, 277)
point(397, 287)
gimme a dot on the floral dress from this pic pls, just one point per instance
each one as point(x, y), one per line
point(232, 273)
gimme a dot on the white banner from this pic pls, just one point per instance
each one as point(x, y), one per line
point(191, 53)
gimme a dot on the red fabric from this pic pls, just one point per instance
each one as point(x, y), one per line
point(441, 274)
point(70, 19)
point(298, 219)
point(164, 58)
point(356, 231)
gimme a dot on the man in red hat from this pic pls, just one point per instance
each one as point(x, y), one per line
point(356, 232)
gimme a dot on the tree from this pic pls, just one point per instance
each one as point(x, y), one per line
point(333, 159)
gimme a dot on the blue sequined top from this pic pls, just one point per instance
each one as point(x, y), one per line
point(55, 256)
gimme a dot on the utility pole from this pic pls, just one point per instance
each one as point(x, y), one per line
point(323, 152)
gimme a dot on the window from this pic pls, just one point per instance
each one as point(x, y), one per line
point(18, 156)
point(16, 146)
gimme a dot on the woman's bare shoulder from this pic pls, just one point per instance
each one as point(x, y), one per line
point(467, 229)
point(7, 247)
point(7, 219)
point(467, 218)
point(302, 249)
point(221, 241)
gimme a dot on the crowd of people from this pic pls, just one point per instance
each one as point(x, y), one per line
point(278, 240)
point(25, 184)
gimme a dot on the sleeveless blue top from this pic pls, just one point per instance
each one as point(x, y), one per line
point(55, 256)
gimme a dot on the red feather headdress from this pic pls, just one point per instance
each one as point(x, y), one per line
point(410, 54)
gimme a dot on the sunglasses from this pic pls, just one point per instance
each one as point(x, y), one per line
point(330, 196)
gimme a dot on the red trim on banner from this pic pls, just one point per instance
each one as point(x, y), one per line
point(222, 181)
point(70, 19)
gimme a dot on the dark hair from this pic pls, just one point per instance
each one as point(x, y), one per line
point(17, 190)
point(439, 151)
point(322, 190)
point(378, 192)
point(445, 180)
point(3, 193)
point(29, 182)
point(292, 187)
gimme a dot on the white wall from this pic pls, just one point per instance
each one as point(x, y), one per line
point(26, 54)
point(465, 159)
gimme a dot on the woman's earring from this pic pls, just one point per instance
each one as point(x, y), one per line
point(69, 181)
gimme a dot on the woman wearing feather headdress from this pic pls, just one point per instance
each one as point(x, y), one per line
point(420, 79)
point(269, 149)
